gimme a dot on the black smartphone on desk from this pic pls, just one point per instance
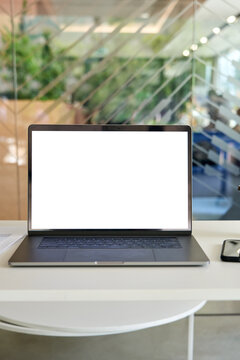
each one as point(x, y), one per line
point(231, 250)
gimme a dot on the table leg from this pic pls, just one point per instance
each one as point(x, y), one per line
point(190, 336)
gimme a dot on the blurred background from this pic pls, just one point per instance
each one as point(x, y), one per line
point(124, 62)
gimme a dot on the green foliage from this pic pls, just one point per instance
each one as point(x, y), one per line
point(35, 65)
point(54, 65)
point(156, 43)
point(118, 100)
point(122, 92)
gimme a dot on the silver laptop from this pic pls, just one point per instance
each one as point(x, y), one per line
point(108, 195)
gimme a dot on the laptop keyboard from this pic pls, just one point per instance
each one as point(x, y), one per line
point(77, 242)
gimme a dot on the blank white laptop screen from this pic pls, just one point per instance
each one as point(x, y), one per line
point(109, 180)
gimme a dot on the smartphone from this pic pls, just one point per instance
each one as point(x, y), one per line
point(231, 250)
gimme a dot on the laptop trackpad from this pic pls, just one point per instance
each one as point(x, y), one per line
point(92, 255)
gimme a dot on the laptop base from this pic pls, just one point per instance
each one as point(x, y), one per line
point(30, 253)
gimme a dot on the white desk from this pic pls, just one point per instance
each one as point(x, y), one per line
point(217, 281)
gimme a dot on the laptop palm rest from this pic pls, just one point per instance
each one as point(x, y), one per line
point(104, 255)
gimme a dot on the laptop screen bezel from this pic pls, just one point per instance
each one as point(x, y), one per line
point(110, 232)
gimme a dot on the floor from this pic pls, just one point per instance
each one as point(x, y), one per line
point(216, 338)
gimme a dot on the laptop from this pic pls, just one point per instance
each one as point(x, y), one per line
point(109, 195)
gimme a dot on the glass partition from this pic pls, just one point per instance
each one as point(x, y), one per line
point(216, 114)
point(123, 62)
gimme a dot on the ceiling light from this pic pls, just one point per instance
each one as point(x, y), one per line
point(216, 30)
point(203, 40)
point(145, 15)
point(231, 19)
point(194, 47)
point(186, 52)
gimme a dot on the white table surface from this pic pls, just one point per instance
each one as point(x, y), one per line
point(216, 281)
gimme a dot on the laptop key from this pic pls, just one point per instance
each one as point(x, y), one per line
point(78, 242)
